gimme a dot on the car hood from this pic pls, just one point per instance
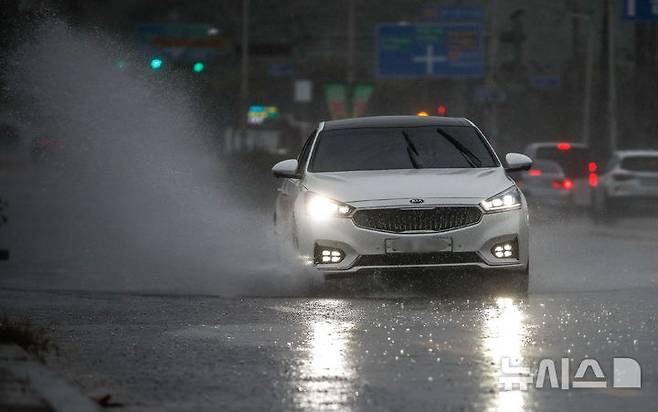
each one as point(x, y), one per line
point(359, 186)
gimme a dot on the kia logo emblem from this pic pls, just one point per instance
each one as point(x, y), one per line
point(416, 201)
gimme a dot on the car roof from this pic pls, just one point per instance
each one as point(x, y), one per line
point(395, 121)
point(628, 153)
point(541, 145)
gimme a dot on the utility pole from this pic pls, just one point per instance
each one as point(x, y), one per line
point(244, 76)
point(349, 74)
point(589, 71)
point(612, 77)
point(493, 65)
point(351, 21)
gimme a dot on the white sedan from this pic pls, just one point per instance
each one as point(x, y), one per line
point(403, 192)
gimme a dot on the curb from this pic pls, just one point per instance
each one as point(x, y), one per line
point(32, 386)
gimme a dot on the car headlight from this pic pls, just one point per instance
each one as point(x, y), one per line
point(320, 207)
point(507, 200)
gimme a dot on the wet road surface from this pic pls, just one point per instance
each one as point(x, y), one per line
point(174, 343)
point(379, 353)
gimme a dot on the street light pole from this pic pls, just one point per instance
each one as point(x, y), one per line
point(244, 75)
point(351, 21)
point(589, 70)
point(612, 77)
point(491, 73)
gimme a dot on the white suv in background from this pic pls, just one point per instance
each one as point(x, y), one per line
point(631, 176)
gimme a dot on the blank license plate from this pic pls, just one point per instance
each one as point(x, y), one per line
point(419, 245)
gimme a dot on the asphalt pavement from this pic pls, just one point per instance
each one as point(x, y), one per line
point(160, 336)
point(385, 350)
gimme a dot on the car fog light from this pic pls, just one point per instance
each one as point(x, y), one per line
point(505, 250)
point(328, 255)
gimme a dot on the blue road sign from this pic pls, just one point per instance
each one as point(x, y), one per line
point(453, 14)
point(461, 13)
point(430, 50)
point(641, 9)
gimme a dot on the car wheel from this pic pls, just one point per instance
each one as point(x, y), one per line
point(514, 282)
point(520, 280)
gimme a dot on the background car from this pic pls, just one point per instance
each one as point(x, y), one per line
point(576, 161)
point(630, 179)
point(545, 184)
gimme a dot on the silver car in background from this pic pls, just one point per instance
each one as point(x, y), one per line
point(545, 184)
point(403, 192)
point(630, 178)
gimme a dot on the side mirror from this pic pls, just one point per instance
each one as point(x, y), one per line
point(517, 162)
point(286, 169)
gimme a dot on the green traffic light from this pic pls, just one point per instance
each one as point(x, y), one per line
point(198, 67)
point(156, 64)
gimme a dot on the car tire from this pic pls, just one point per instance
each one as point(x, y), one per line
point(519, 281)
point(515, 282)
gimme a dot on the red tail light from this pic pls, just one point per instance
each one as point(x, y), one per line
point(564, 146)
point(557, 185)
point(593, 179)
point(534, 172)
point(592, 167)
point(567, 184)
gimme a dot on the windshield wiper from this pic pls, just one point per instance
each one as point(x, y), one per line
point(470, 157)
point(412, 151)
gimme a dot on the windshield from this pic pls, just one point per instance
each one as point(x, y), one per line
point(427, 147)
point(640, 163)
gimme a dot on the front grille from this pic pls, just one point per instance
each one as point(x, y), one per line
point(439, 219)
point(398, 259)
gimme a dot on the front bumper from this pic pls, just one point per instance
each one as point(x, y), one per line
point(366, 249)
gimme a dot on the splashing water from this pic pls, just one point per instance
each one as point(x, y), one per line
point(135, 196)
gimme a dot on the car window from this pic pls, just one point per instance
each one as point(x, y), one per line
point(640, 163)
point(401, 148)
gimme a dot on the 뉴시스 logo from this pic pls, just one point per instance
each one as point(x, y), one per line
point(416, 201)
point(626, 373)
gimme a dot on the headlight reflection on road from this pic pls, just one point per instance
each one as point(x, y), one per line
point(504, 336)
point(327, 374)
point(327, 349)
